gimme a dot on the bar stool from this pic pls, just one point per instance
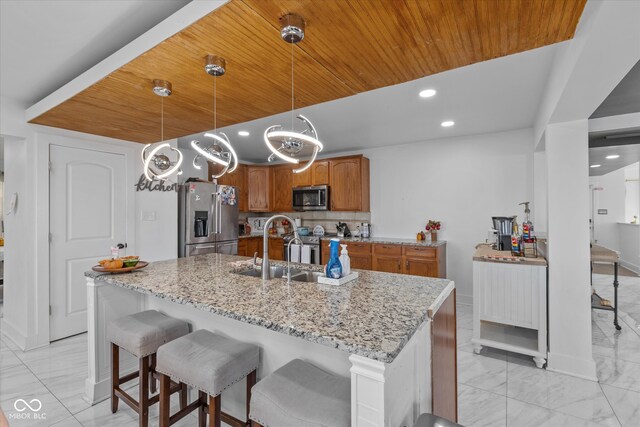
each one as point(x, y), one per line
point(141, 334)
point(209, 363)
point(430, 420)
point(301, 394)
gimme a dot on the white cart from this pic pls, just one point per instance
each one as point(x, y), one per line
point(510, 303)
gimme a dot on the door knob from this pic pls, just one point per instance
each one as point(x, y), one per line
point(121, 245)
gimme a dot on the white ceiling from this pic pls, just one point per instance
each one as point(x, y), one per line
point(624, 99)
point(45, 44)
point(491, 96)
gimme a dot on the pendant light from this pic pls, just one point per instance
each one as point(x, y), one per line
point(157, 164)
point(284, 144)
point(220, 151)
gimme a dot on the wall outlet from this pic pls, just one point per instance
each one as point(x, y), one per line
point(149, 216)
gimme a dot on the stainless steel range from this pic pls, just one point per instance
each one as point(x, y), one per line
point(312, 241)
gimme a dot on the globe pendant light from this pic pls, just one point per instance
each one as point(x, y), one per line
point(220, 151)
point(158, 165)
point(284, 144)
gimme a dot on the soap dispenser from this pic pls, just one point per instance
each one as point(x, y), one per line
point(345, 261)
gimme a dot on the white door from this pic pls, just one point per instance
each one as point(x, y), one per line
point(87, 216)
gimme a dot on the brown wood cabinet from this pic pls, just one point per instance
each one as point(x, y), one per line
point(237, 178)
point(282, 184)
point(387, 258)
point(252, 245)
point(276, 248)
point(349, 178)
point(259, 188)
point(242, 247)
point(317, 174)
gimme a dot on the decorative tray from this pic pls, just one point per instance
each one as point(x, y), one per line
point(337, 282)
point(100, 269)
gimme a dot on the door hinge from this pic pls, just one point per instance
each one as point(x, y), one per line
point(50, 237)
point(49, 310)
point(50, 166)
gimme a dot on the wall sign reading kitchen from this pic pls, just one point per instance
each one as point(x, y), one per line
point(155, 185)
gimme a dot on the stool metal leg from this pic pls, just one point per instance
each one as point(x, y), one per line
point(165, 383)
point(115, 376)
point(143, 388)
point(615, 296)
point(214, 411)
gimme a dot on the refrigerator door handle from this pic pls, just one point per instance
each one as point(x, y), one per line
point(212, 213)
point(219, 225)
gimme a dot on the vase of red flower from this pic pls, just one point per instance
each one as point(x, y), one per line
point(433, 227)
point(286, 226)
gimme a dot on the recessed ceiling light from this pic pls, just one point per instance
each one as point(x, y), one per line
point(613, 156)
point(243, 133)
point(427, 93)
point(447, 123)
point(594, 166)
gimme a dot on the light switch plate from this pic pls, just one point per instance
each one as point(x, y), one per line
point(149, 216)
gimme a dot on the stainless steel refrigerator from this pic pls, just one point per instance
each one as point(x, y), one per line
point(207, 219)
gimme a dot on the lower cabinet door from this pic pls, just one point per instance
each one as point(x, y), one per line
point(387, 264)
point(242, 247)
point(420, 267)
point(362, 262)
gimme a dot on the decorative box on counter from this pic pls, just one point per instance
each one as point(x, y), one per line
point(337, 282)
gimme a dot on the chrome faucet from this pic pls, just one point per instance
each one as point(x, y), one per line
point(299, 241)
point(266, 272)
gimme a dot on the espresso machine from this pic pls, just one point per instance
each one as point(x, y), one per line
point(503, 225)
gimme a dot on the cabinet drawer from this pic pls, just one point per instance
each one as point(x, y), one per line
point(387, 249)
point(419, 251)
point(362, 262)
point(357, 248)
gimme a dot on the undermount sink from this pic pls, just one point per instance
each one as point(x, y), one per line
point(278, 272)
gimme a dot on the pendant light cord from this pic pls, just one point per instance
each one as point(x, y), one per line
point(292, 88)
point(215, 104)
point(162, 119)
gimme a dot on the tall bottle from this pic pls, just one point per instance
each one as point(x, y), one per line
point(515, 240)
point(527, 225)
point(334, 267)
point(345, 261)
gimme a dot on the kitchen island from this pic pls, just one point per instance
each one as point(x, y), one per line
point(393, 335)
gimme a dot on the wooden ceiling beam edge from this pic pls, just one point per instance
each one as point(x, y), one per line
point(302, 49)
point(175, 23)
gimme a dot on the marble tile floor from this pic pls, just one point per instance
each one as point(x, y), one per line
point(498, 388)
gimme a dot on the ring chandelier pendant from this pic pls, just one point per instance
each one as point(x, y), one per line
point(284, 144)
point(220, 151)
point(158, 165)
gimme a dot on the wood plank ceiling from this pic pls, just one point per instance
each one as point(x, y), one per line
point(351, 46)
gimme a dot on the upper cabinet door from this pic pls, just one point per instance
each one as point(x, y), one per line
point(237, 178)
point(320, 171)
point(282, 183)
point(258, 185)
point(350, 184)
point(303, 179)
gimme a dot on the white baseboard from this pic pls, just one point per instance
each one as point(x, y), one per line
point(12, 333)
point(577, 367)
point(464, 299)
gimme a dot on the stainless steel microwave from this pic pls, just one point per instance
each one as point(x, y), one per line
point(314, 198)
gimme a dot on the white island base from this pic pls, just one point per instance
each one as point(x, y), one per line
point(382, 394)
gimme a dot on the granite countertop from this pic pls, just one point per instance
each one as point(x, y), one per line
point(485, 253)
point(389, 240)
point(373, 316)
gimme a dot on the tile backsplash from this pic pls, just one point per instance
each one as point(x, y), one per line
point(327, 219)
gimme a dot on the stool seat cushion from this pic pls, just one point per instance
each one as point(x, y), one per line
point(300, 394)
point(430, 420)
point(207, 361)
point(142, 333)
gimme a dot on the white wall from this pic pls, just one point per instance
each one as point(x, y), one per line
point(611, 198)
point(459, 181)
point(632, 185)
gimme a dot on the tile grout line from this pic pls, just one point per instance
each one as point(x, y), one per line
point(610, 405)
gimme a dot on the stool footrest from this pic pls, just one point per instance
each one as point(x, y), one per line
point(233, 421)
point(126, 398)
point(184, 411)
point(129, 377)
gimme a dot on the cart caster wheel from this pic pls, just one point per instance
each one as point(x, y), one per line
point(477, 349)
point(618, 327)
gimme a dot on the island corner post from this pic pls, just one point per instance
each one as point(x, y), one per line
point(420, 378)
